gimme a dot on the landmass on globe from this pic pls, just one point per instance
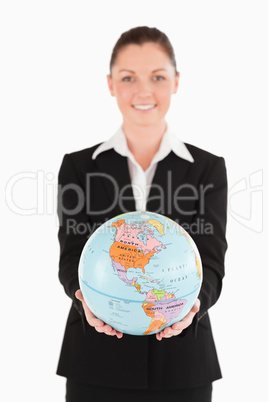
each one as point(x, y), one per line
point(133, 247)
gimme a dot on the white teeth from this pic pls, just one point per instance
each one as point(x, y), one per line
point(143, 107)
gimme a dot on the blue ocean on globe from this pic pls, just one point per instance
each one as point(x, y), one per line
point(140, 272)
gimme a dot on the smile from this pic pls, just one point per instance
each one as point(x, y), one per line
point(144, 107)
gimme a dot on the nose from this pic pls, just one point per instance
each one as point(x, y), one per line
point(143, 88)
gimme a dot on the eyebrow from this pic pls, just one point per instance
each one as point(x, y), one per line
point(133, 72)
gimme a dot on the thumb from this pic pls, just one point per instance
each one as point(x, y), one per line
point(78, 295)
point(196, 306)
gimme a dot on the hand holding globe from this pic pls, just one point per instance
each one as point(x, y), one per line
point(99, 325)
point(168, 332)
point(179, 326)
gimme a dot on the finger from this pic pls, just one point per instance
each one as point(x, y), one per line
point(184, 323)
point(104, 328)
point(108, 330)
point(78, 295)
point(111, 333)
point(91, 318)
point(196, 306)
point(160, 334)
point(171, 333)
point(94, 321)
point(166, 331)
point(188, 319)
point(119, 334)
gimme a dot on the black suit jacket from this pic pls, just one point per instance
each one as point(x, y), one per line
point(194, 195)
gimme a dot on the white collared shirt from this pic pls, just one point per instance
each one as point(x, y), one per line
point(141, 180)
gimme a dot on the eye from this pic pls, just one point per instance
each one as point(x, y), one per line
point(158, 78)
point(127, 79)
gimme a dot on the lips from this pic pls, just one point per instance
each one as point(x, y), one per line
point(144, 107)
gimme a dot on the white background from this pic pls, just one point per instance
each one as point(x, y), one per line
point(54, 99)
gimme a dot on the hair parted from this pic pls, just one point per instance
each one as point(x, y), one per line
point(139, 36)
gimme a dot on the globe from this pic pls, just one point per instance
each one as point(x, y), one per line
point(140, 272)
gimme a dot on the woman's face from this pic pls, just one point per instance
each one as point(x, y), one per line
point(143, 80)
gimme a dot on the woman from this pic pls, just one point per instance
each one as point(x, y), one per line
point(143, 166)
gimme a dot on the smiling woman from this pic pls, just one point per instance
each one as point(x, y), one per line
point(143, 166)
point(143, 93)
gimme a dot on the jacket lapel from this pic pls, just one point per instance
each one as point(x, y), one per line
point(167, 183)
point(116, 181)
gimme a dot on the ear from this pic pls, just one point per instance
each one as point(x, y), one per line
point(176, 85)
point(110, 84)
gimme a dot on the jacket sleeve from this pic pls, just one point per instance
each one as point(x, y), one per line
point(72, 233)
point(212, 243)
point(211, 236)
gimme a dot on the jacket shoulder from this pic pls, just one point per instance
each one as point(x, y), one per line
point(207, 166)
point(83, 154)
point(75, 164)
point(199, 153)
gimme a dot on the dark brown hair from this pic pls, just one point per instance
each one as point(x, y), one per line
point(140, 35)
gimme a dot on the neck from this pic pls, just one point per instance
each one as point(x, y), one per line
point(144, 141)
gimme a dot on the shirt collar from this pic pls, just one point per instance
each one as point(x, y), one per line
point(170, 142)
